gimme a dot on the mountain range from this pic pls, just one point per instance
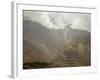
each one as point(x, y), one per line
point(59, 47)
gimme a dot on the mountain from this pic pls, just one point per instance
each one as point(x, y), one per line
point(77, 46)
point(39, 36)
point(59, 47)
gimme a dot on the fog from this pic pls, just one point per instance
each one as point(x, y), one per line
point(58, 20)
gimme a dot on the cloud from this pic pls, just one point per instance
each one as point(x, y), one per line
point(60, 20)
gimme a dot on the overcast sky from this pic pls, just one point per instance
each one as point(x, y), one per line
point(59, 20)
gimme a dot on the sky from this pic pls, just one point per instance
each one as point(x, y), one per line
point(58, 20)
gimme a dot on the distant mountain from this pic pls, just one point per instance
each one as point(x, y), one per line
point(77, 34)
point(57, 46)
point(77, 46)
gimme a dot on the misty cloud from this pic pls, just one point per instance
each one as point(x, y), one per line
point(59, 20)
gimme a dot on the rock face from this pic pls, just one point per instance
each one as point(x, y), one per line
point(54, 47)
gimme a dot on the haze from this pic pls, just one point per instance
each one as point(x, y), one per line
point(58, 20)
